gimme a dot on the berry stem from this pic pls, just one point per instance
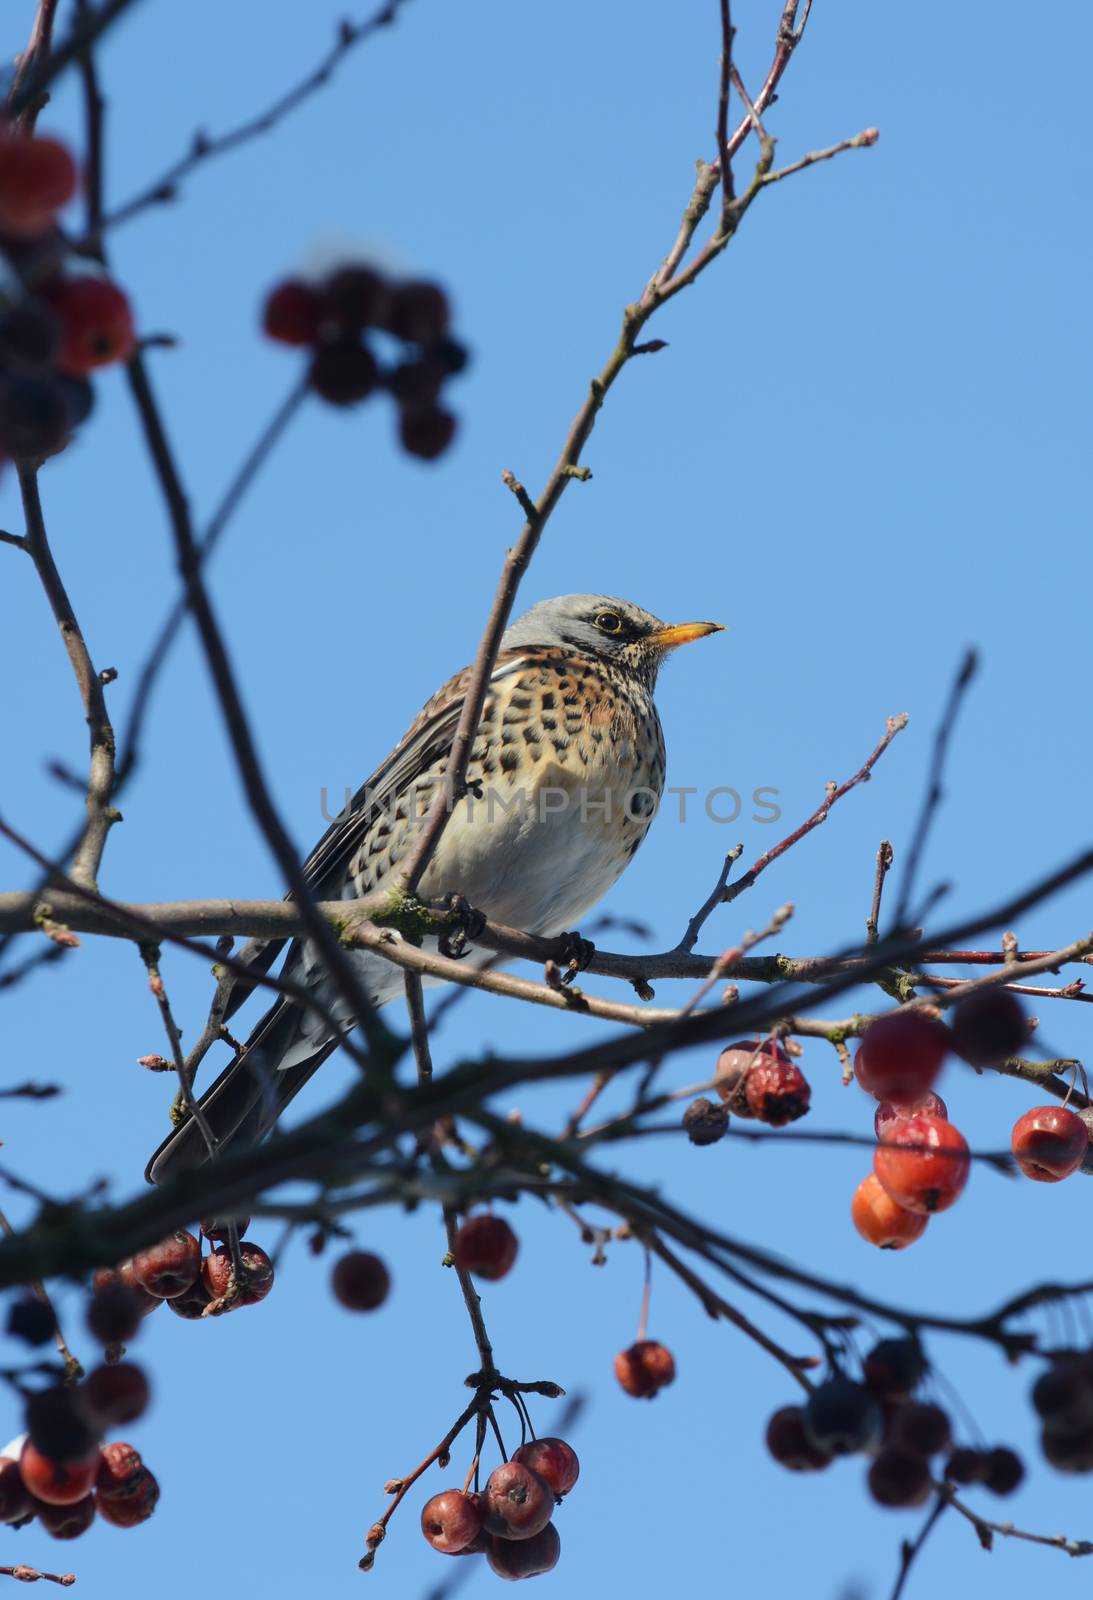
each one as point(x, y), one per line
point(646, 1295)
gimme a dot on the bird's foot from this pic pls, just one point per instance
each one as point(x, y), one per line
point(575, 952)
point(467, 924)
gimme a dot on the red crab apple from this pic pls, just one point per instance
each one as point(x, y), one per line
point(790, 1445)
point(528, 1559)
point(645, 1368)
point(58, 1483)
point(923, 1164)
point(880, 1220)
point(889, 1112)
point(554, 1460)
point(360, 1281)
point(1050, 1143)
point(516, 1502)
point(900, 1055)
point(114, 1395)
point(37, 178)
point(66, 1522)
point(96, 323)
point(218, 1272)
point(988, 1026)
point(777, 1091)
point(451, 1521)
point(169, 1267)
point(486, 1246)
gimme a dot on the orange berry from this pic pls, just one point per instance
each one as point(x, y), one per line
point(880, 1220)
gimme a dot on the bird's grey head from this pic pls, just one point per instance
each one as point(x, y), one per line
point(603, 626)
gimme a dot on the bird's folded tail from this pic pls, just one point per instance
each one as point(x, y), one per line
point(252, 1091)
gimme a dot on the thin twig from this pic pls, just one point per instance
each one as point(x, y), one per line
point(934, 791)
point(835, 793)
point(910, 1548)
point(861, 141)
point(986, 1530)
point(100, 784)
point(90, 26)
point(204, 148)
point(342, 973)
point(32, 1575)
point(885, 856)
point(728, 192)
point(29, 65)
point(149, 954)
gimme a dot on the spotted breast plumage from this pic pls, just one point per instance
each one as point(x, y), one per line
point(563, 780)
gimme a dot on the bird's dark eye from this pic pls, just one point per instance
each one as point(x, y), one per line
point(608, 622)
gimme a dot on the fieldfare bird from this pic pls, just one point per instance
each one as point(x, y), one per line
point(564, 778)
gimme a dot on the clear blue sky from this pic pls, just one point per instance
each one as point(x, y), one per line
point(864, 449)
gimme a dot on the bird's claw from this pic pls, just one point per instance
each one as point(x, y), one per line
point(455, 942)
point(576, 952)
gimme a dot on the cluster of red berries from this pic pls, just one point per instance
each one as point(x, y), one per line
point(54, 329)
point(880, 1418)
point(65, 1495)
point(334, 319)
point(1049, 1142)
point(757, 1080)
point(60, 1471)
point(1063, 1398)
point(175, 1272)
point(922, 1162)
point(509, 1521)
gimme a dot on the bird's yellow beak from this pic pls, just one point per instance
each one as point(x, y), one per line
point(682, 633)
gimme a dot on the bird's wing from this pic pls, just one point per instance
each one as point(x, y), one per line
point(427, 739)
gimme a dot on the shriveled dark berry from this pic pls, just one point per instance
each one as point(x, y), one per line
point(705, 1122)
